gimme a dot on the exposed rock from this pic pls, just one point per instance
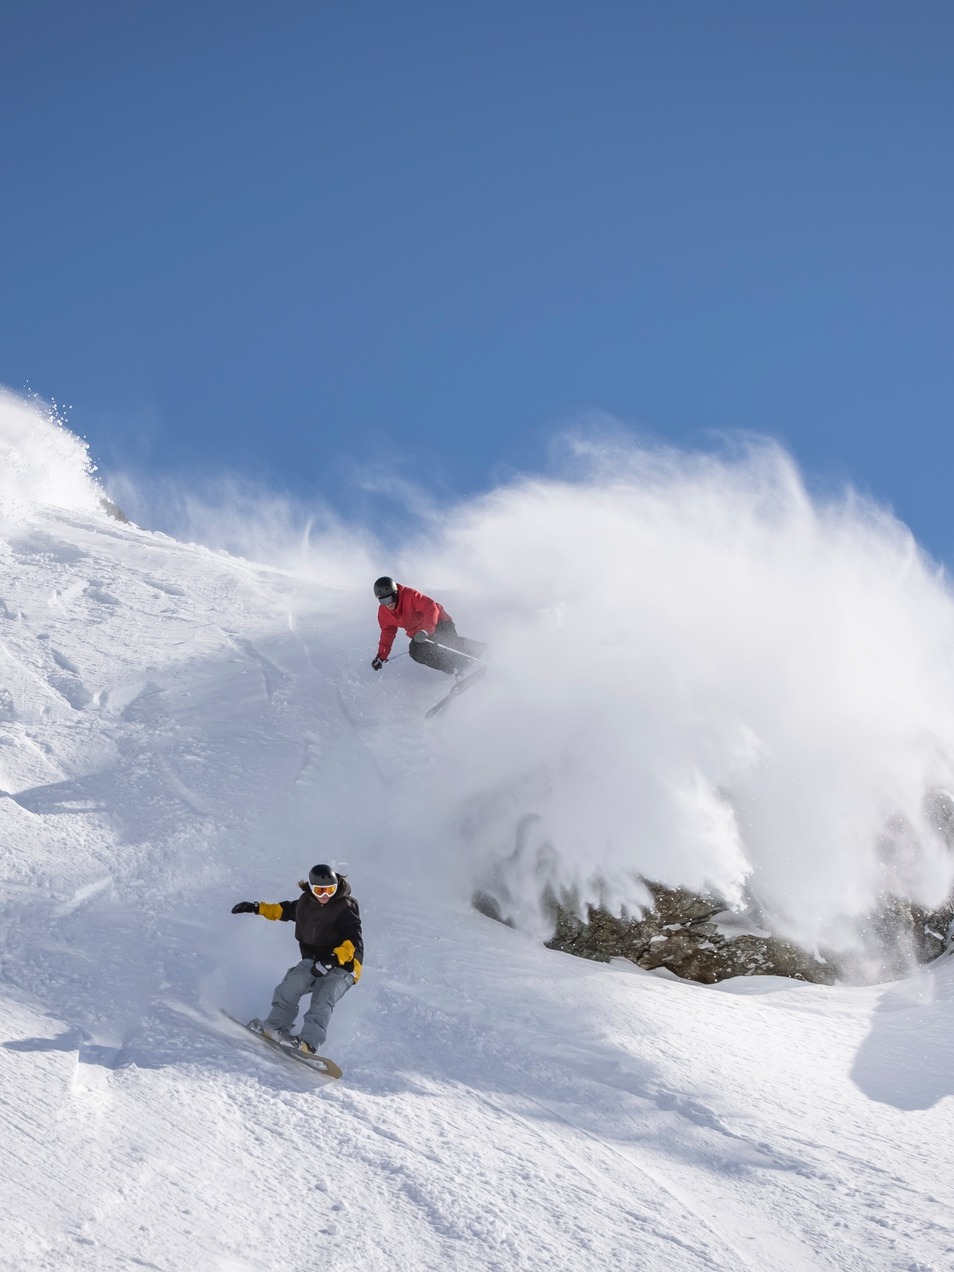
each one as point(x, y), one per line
point(898, 936)
point(697, 938)
point(113, 510)
point(681, 933)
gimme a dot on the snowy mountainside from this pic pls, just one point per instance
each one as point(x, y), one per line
point(503, 1105)
point(181, 729)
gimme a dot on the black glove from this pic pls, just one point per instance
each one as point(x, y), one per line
point(322, 969)
point(245, 907)
point(378, 663)
point(420, 638)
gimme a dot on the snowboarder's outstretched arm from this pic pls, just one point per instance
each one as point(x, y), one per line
point(284, 910)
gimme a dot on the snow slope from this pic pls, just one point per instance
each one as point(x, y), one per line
point(181, 729)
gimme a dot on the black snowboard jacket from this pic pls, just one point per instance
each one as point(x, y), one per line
point(329, 933)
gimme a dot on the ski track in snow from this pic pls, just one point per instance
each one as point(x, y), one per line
point(170, 747)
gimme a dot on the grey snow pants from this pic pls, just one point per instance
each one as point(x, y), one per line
point(325, 992)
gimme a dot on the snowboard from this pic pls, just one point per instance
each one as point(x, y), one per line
point(318, 1064)
point(459, 687)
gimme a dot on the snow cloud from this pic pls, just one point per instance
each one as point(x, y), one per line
point(42, 464)
point(233, 514)
point(701, 675)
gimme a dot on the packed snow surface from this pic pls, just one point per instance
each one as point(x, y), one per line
point(181, 729)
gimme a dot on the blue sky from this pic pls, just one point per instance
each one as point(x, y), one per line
point(301, 239)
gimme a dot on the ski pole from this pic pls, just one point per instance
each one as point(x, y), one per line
point(450, 649)
point(392, 657)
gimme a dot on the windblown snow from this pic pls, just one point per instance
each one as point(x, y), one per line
point(699, 673)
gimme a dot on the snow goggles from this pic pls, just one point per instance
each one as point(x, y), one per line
point(323, 890)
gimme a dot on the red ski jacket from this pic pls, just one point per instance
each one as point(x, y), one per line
point(415, 613)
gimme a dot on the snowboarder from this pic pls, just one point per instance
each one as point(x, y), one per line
point(328, 931)
point(433, 635)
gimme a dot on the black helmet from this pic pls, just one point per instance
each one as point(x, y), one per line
point(322, 876)
point(385, 587)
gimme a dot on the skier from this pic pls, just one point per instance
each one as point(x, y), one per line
point(429, 626)
point(328, 931)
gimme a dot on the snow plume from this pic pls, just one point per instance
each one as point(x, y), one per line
point(42, 464)
point(230, 513)
point(701, 675)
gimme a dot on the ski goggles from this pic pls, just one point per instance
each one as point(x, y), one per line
point(324, 890)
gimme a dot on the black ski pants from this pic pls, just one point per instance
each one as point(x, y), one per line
point(429, 655)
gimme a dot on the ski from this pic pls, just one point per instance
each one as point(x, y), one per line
point(318, 1064)
point(459, 687)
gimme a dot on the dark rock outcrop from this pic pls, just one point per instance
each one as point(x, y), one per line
point(690, 935)
point(697, 938)
point(113, 510)
point(700, 938)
